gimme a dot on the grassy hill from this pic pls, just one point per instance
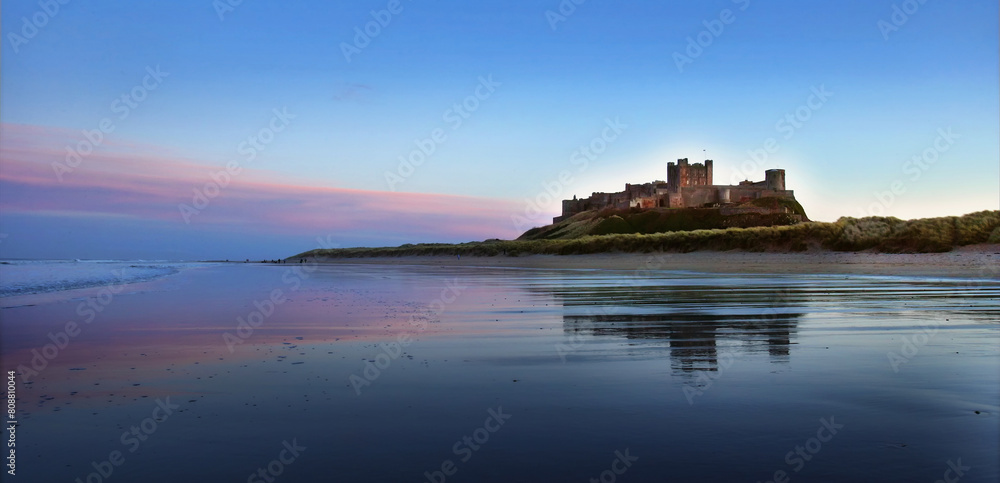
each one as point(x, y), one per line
point(659, 220)
point(882, 234)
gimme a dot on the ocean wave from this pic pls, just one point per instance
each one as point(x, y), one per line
point(25, 277)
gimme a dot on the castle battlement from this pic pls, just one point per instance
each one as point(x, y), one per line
point(688, 186)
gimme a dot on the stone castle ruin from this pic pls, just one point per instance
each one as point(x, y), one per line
point(687, 186)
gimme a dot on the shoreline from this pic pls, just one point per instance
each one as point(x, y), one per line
point(972, 262)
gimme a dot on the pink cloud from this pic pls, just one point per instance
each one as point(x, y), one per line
point(126, 180)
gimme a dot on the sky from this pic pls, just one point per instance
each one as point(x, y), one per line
point(232, 129)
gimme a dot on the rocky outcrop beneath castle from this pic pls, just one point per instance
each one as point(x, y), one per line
point(730, 210)
point(754, 213)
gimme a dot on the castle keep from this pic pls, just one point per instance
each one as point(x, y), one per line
point(687, 186)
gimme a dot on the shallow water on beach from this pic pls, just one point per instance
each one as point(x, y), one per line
point(396, 373)
point(25, 277)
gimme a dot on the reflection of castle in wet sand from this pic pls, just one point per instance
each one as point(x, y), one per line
point(693, 337)
point(697, 334)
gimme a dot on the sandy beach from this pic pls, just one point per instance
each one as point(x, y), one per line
point(976, 261)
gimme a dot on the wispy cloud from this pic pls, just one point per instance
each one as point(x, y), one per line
point(348, 91)
point(147, 183)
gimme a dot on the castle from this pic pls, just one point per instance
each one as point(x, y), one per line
point(687, 186)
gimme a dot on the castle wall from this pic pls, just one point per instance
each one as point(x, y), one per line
point(675, 200)
point(688, 185)
point(740, 194)
point(696, 196)
point(645, 203)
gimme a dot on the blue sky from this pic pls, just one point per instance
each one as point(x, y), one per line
point(891, 95)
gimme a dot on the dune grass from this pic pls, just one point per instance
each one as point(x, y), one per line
point(881, 234)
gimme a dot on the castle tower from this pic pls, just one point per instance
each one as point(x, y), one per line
point(774, 179)
point(677, 174)
point(683, 174)
point(724, 194)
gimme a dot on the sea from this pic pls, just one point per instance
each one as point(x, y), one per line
point(26, 277)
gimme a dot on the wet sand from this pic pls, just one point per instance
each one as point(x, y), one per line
point(380, 370)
